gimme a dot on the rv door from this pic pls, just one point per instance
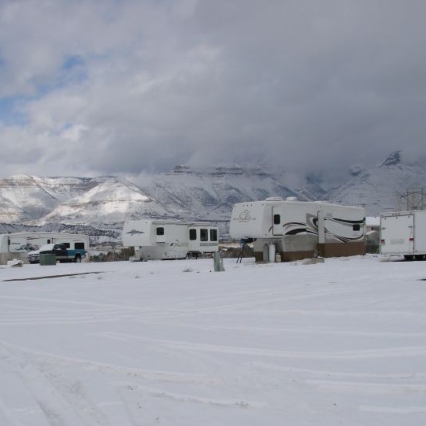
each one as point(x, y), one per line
point(277, 221)
point(159, 235)
point(397, 234)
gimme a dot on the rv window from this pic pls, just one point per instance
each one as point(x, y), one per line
point(213, 234)
point(67, 245)
point(192, 234)
point(204, 235)
point(49, 242)
point(356, 227)
point(79, 246)
point(160, 231)
point(277, 219)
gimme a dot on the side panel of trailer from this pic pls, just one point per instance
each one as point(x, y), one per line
point(170, 241)
point(155, 240)
point(136, 233)
point(300, 229)
point(33, 242)
point(330, 222)
point(251, 220)
point(202, 238)
point(313, 228)
point(18, 245)
point(420, 231)
point(403, 233)
point(397, 234)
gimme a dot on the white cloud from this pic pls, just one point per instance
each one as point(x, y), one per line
point(132, 85)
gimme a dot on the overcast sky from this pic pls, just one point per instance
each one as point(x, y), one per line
point(90, 87)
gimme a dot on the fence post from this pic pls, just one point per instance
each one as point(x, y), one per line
point(218, 262)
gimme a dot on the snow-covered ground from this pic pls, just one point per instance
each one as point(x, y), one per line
point(175, 343)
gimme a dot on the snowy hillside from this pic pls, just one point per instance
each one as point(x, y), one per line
point(25, 197)
point(210, 194)
point(108, 204)
point(382, 188)
point(172, 343)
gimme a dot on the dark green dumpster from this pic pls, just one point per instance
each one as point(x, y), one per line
point(48, 259)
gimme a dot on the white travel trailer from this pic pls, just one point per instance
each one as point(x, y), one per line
point(18, 245)
point(403, 234)
point(166, 239)
point(299, 229)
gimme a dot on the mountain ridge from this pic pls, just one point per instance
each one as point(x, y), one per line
point(100, 205)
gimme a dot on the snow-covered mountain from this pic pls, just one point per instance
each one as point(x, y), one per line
point(100, 205)
point(384, 187)
point(104, 203)
point(108, 203)
point(210, 194)
point(24, 197)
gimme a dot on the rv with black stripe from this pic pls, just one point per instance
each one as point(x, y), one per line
point(299, 229)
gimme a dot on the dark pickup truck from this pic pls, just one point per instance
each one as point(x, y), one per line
point(62, 253)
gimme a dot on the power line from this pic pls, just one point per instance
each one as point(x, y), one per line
point(414, 199)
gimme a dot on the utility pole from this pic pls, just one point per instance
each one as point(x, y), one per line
point(413, 199)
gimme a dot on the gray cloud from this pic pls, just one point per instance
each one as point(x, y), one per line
point(131, 86)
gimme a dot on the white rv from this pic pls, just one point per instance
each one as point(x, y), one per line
point(163, 239)
point(18, 245)
point(404, 234)
point(299, 229)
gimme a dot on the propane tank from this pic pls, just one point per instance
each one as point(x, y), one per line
point(272, 252)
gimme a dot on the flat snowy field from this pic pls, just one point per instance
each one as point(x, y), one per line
point(175, 343)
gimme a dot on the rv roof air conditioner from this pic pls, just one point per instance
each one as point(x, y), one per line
point(274, 199)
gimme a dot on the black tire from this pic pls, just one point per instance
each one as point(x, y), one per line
point(77, 259)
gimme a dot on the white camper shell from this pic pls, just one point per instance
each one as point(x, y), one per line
point(299, 229)
point(403, 234)
point(162, 239)
point(18, 245)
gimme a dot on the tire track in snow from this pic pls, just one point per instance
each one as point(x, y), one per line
point(66, 403)
point(370, 388)
point(365, 384)
point(410, 351)
point(339, 374)
point(7, 417)
point(114, 370)
point(298, 331)
point(392, 410)
point(145, 406)
point(63, 403)
point(76, 314)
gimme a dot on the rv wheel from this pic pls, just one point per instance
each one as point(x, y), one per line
point(78, 259)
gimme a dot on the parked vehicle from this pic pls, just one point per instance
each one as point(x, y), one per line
point(17, 245)
point(165, 239)
point(298, 229)
point(404, 234)
point(63, 253)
